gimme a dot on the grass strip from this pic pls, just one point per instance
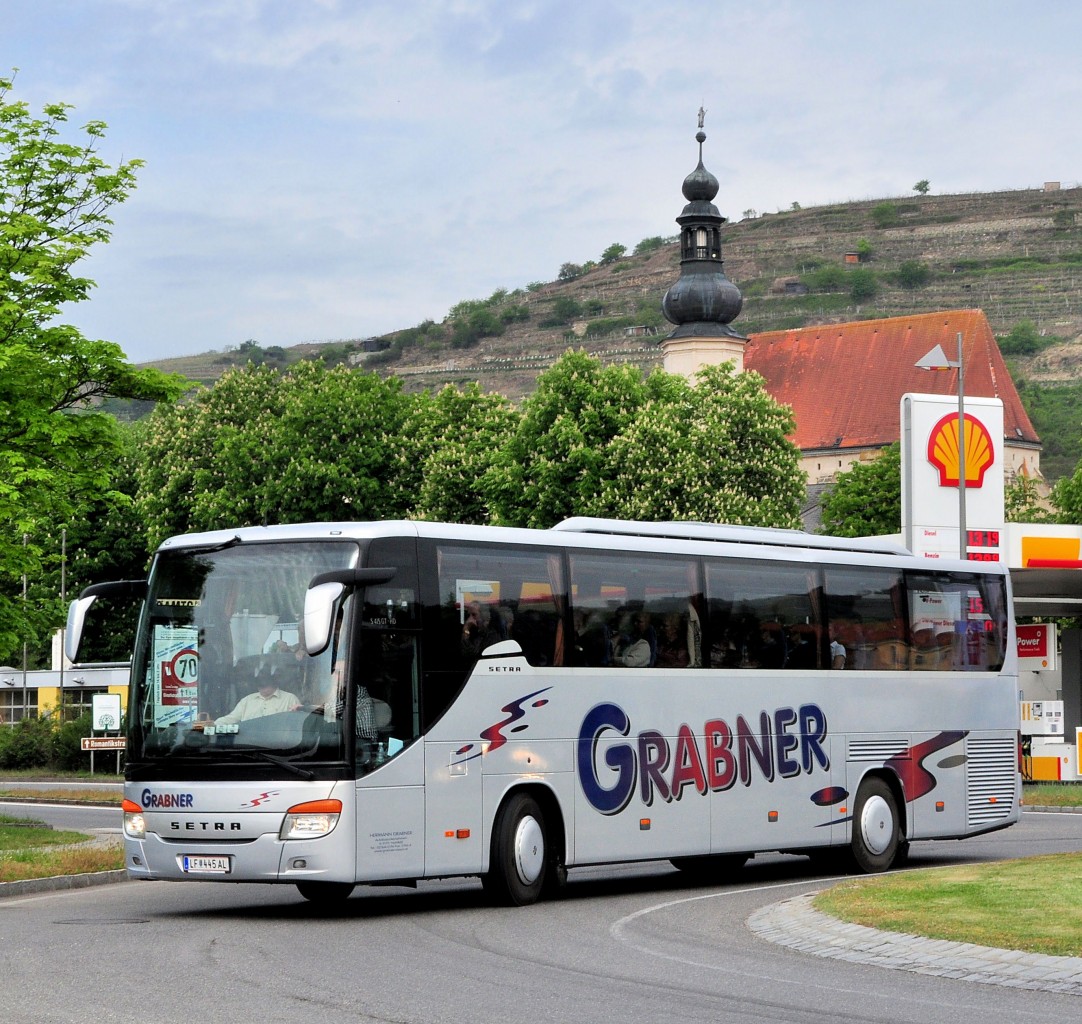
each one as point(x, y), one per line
point(1042, 795)
point(38, 864)
point(31, 849)
point(1034, 904)
point(103, 797)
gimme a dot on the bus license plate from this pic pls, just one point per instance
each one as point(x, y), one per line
point(206, 865)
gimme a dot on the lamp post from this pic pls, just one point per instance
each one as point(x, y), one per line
point(937, 360)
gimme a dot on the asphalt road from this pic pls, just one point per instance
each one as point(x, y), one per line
point(626, 944)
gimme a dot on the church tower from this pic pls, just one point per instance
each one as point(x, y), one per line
point(703, 302)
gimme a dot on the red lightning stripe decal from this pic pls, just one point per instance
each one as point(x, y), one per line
point(916, 779)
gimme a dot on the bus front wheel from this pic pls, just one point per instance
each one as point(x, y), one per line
point(877, 834)
point(325, 894)
point(519, 852)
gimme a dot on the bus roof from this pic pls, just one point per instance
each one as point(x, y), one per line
point(583, 531)
point(772, 536)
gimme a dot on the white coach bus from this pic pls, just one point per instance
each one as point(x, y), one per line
point(331, 704)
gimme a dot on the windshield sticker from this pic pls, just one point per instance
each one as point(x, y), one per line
point(175, 670)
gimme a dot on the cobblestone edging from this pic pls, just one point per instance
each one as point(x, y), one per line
point(795, 923)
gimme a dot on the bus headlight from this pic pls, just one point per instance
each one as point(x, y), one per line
point(135, 826)
point(311, 820)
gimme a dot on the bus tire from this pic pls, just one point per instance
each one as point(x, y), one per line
point(325, 894)
point(876, 827)
point(520, 856)
point(716, 867)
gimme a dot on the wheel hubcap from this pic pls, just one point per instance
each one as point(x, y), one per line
point(529, 851)
point(876, 824)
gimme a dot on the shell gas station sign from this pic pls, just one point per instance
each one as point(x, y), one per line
point(931, 461)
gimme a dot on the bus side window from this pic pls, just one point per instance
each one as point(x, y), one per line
point(866, 613)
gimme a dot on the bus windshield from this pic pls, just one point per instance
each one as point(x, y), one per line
point(221, 673)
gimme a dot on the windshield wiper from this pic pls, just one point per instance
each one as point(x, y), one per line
point(282, 762)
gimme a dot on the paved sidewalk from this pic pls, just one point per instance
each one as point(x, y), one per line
point(796, 924)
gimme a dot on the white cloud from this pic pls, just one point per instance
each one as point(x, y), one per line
point(334, 169)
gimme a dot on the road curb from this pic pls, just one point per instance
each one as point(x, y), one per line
point(795, 923)
point(56, 883)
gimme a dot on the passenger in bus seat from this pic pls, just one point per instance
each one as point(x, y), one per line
point(837, 649)
point(592, 646)
point(672, 650)
point(636, 646)
point(477, 631)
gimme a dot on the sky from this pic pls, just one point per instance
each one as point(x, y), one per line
point(317, 170)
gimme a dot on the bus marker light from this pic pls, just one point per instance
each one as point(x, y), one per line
point(449, 834)
point(993, 800)
point(772, 816)
point(940, 806)
point(842, 810)
point(644, 824)
point(462, 833)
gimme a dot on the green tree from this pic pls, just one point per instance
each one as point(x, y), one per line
point(179, 468)
point(266, 447)
point(651, 244)
point(862, 284)
point(1022, 503)
point(885, 215)
point(717, 452)
point(829, 278)
point(455, 441)
point(553, 465)
point(866, 501)
point(913, 274)
point(922, 187)
point(565, 308)
point(604, 441)
point(56, 454)
point(1024, 340)
point(569, 272)
point(613, 253)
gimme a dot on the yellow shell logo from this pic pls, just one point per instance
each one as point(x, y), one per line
point(943, 450)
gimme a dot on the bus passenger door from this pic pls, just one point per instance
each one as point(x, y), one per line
point(390, 757)
point(453, 832)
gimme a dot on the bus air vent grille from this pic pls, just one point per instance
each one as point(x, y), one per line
point(991, 773)
point(879, 750)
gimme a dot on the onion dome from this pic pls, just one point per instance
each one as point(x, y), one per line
point(703, 302)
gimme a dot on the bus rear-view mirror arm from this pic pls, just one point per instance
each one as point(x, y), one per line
point(324, 592)
point(134, 590)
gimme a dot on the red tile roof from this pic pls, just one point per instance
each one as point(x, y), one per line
point(846, 380)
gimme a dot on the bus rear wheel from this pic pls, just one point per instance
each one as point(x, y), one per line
point(325, 894)
point(877, 834)
point(520, 853)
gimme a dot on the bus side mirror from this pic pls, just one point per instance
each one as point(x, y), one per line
point(319, 606)
point(73, 633)
point(131, 590)
point(323, 595)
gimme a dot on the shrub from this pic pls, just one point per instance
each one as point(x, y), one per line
point(862, 284)
point(830, 278)
point(65, 750)
point(649, 245)
point(884, 215)
point(28, 744)
point(913, 274)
